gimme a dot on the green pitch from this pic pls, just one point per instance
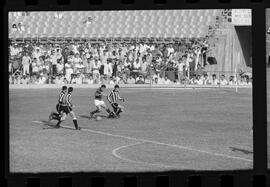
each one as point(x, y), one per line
point(187, 129)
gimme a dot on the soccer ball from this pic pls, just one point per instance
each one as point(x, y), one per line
point(98, 118)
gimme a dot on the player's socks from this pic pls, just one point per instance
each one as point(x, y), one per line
point(76, 124)
point(56, 117)
point(93, 112)
point(108, 110)
point(118, 111)
point(58, 124)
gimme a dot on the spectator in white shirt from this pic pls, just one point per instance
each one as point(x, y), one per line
point(24, 80)
point(90, 80)
point(197, 57)
point(161, 79)
point(130, 80)
point(77, 59)
point(69, 71)
point(14, 28)
point(80, 78)
point(21, 27)
point(79, 68)
point(136, 68)
point(223, 80)
point(42, 79)
point(206, 80)
point(214, 80)
point(167, 81)
point(144, 66)
point(180, 69)
point(37, 53)
point(231, 80)
point(170, 50)
point(108, 69)
point(95, 69)
point(53, 59)
point(60, 67)
point(26, 61)
point(199, 80)
point(155, 80)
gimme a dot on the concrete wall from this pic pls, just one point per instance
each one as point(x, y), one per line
point(232, 49)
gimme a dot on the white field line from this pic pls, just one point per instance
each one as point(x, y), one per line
point(160, 143)
point(114, 152)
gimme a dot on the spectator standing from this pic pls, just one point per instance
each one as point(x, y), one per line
point(144, 66)
point(76, 61)
point(69, 71)
point(180, 69)
point(35, 67)
point(197, 57)
point(115, 65)
point(14, 28)
point(53, 59)
point(95, 69)
point(60, 67)
point(136, 68)
point(170, 50)
point(65, 54)
point(108, 69)
point(26, 61)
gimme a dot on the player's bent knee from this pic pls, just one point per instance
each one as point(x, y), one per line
point(72, 114)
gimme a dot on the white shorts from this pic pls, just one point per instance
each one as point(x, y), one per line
point(99, 102)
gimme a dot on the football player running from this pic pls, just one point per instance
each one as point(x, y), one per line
point(112, 98)
point(99, 103)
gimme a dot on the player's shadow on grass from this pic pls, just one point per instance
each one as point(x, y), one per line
point(241, 150)
point(88, 117)
point(51, 126)
point(48, 125)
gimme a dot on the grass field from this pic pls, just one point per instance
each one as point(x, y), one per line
point(161, 129)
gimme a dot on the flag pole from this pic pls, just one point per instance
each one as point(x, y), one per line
point(236, 86)
point(238, 59)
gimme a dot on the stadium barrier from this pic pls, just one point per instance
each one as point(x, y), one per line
point(185, 79)
point(137, 86)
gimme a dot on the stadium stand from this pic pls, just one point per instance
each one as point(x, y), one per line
point(176, 45)
point(162, 23)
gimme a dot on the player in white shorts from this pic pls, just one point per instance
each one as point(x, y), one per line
point(99, 103)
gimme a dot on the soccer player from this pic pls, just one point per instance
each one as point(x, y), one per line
point(112, 98)
point(66, 108)
point(57, 115)
point(99, 103)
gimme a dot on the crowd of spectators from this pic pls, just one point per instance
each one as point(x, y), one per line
point(109, 63)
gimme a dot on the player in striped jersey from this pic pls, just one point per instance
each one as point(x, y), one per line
point(66, 108)
point(99, 103)
point(57, 115)
point(112, 98)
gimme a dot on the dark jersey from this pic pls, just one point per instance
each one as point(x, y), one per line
point(98, 94)
point(113, 96)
